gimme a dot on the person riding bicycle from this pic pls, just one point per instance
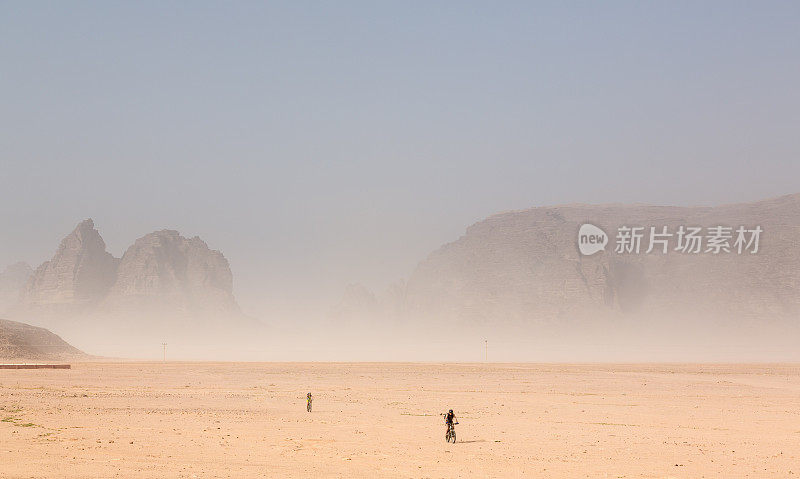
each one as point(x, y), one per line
point(450, 419)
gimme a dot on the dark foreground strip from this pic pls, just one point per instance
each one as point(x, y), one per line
point(34, 366)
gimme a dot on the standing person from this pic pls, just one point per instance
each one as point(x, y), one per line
point(309, 398)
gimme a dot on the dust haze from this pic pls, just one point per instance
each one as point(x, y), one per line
point(398, 182)
point(514, 287)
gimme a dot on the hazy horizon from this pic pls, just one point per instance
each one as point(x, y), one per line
point(335, 144)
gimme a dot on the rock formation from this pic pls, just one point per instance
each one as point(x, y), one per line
point(162, 277)
point(20, 341)
point(12, 280)
point(165, 272)
point(524, 267)
point(76, 278)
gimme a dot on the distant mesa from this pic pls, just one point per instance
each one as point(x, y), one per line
point(524, 268)
point(20, 341)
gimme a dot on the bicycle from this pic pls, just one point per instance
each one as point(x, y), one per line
point(451, 433)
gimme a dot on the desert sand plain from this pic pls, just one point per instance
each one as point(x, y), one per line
point(100, 420)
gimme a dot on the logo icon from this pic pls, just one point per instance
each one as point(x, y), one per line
point(591, 239)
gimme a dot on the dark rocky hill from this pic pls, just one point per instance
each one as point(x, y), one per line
point(20, 341)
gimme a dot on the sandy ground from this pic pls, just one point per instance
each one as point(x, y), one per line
point(383, 420)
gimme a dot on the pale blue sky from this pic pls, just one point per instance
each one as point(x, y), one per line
point(319, 143)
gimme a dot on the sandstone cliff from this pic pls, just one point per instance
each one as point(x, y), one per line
point(77, 277)
point(524, 268)
point(162, 278)
point(165, 272)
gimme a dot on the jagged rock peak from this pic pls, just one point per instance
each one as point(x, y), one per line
point(80, 272)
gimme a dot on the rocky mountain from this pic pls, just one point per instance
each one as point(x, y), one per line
point(162, 277)
point(20, 341)
point(165, 271)
point(12, 281)
point(524, 267)
point(77, 277)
